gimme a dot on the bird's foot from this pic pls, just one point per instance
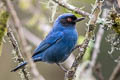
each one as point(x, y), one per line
point(65, 70)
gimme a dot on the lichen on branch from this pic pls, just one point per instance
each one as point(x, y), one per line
point(96, 11)
point(112, 24)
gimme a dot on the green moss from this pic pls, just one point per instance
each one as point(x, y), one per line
point(3, 22)
point(115, 21)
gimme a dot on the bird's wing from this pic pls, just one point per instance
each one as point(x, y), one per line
point(48, 42)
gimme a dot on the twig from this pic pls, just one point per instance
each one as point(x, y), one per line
point(99, 72)
point(89, 35)
point(24, 48)
point(98, 39)
point(116, 73)
point(18, 54)
point(78, 46)
point(71, 8)
point(96, 50)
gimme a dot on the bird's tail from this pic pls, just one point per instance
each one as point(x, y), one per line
point(19, 66)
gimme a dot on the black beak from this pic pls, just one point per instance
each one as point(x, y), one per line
point(79, 19)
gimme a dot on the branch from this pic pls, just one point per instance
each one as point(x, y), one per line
point(89, 35)
point(116, 73)
point(97, 45)
point(18, 55)
point(24, 45)
point(97, 69)
point(98, 39)
point(71, 8)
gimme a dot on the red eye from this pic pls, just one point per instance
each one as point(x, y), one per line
point(69, 19)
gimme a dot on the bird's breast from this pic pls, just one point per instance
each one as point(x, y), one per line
point(70, 36)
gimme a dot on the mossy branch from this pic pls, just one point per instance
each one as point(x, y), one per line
point(71, 8)
point(89, 35)
point(4, 15)
point(18, 55)
point(24, 46)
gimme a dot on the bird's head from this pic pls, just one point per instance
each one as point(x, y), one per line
point(67, 20)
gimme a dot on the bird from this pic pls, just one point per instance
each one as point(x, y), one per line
point(59, 43)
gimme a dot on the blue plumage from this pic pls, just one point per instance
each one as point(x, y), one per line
point(58, 44)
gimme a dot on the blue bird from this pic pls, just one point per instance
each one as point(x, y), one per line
point(59, 43)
